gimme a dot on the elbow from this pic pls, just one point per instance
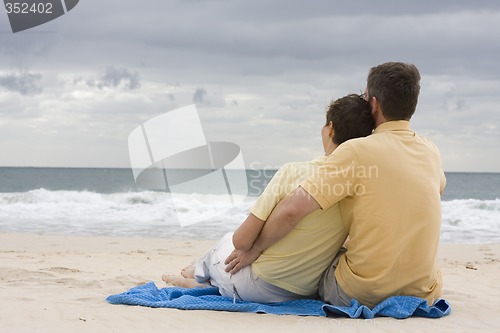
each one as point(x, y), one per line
point(241, 243)
point(290, 220)
point(291, 215)
point(296, 206)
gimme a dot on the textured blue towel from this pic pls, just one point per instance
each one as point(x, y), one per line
point(209, 299)
point(399, 307)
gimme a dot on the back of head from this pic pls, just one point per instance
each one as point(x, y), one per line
point(396, 86)
point(351, 118)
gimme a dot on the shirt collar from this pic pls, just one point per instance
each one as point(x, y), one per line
point(394, 125)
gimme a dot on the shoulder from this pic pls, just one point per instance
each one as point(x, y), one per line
point(427, 141)
point(429, 145)
point(314, 163)
point(297, 171)
point(354, 146)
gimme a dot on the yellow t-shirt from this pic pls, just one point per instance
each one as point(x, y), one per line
point(297, 261)
point(388, 186)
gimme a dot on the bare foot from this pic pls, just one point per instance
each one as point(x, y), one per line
point(188, 272)
point(181, 281)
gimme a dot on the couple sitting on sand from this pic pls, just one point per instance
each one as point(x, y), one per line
point(381, 189)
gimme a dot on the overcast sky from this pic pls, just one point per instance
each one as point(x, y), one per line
point(261, 73)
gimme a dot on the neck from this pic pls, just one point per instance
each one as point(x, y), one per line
point(379, 122)
point(331, 147)
point(379, 119)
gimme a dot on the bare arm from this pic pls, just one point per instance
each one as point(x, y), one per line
point(285, 216)
point(246, 234)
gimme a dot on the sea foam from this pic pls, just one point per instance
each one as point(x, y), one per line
point(154, 214)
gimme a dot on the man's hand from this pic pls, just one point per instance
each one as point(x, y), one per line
point(239, 259)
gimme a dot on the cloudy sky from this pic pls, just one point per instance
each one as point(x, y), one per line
point(260, 72)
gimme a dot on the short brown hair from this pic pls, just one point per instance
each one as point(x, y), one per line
point(351, 117)
point(396, 86)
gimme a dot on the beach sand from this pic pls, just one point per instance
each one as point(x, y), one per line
point(60, 283)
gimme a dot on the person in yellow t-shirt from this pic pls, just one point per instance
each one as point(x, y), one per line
point(388, 186)
point(292, 267)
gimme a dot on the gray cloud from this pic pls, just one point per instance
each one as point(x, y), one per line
point(113, 78)
point(24, 83)
point(199, 95)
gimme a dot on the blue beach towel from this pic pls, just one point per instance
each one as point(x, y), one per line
point(209, 299)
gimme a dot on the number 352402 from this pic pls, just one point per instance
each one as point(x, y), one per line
point(27, 8)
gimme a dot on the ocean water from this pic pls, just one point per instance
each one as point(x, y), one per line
point(107, 202)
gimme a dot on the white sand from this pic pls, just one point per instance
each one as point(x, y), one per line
point(59, 284)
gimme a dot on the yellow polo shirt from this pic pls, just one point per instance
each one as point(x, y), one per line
point(297, 261)
point(388, 186)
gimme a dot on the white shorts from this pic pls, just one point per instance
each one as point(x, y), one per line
point(245, 285)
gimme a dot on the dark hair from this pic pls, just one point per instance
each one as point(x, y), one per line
point(351, 117)
point(396, 86)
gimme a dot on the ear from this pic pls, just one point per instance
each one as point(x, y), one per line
point(375, 105)
point(331, 131)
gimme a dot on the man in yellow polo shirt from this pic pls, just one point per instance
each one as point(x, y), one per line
point(388, 186)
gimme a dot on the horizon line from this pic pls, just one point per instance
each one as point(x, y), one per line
point(124, 168)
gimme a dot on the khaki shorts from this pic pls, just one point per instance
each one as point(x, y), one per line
point(329, 290)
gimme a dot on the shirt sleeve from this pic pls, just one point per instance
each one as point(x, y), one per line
point(275, 191)
point(442, 185)
point(336, 179)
